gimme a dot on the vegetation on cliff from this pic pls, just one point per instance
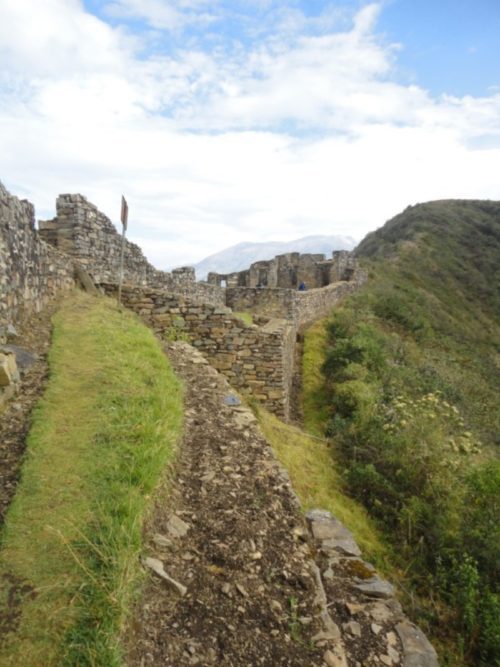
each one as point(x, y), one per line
point(317, 484)
point(409, 396)
point(101, 437)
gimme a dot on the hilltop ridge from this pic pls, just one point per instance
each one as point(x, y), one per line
point(455, 240)
point(409, 396)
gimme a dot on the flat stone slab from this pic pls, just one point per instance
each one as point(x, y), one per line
point(177, 527)
point(383, 612)
point(331, 533)
point(417, 650)
point(24, 359)
point(376, 588)
point(231, 399)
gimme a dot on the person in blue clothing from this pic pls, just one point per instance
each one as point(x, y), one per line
point(302, 287)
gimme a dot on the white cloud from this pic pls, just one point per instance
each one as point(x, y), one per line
point(164, 14)
point(56, 38)
point(301, 133)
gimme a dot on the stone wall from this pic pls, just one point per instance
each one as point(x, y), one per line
point(256, 360)
point(81, 231)
point(317, 303)
point(290, 270)
point(300, 308)
point(31, 272)
point(277, 302)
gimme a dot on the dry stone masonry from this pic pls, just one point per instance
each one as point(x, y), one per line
point(290, 270)
point(31, 271)
point(31, 274)
point(365, 617)
point(256, 360)
point(81, 240)
point(81, 231)
point(299, 307)
point(354, 614)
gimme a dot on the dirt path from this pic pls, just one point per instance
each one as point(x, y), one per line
point(244, 561)
point(251, 584)
point(33, 338)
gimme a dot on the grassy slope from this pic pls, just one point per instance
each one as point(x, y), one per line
point(410, 386)
point(435, 281)
point(318, 484)
point(101, 437)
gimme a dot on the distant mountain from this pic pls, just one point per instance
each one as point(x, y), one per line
point(239, 257)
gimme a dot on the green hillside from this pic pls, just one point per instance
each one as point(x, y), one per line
point(410, 399)
point(436, 278)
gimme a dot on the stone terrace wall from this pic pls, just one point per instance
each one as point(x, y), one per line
point(317, 303)
point(81, 231)
point(31, 272)
point(278, 302)
point(301, 308)
point(257, 361)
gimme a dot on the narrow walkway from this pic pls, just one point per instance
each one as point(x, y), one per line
point(237, 579)
point(236, 541)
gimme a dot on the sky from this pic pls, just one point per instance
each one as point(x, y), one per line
point(249, 120)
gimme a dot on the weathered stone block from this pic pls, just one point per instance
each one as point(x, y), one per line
point(8, 369)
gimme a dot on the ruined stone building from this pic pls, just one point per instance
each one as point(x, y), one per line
point(290, 270)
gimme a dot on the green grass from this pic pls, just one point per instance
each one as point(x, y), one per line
point(100, 440)
point(317, 483)
point(435, 283)
point(245, 317)
point(314, 398)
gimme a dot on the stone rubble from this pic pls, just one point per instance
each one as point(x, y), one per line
point(374, 628)
point(32, 342)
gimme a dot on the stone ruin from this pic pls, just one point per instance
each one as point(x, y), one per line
point(290, 270)
point(257, 359)
point(81, 243)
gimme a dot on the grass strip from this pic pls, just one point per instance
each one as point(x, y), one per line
point(317, 483)
point(100, 439)
point(313, 396)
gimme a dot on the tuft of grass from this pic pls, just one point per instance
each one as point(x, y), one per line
point(318, 484)
point(101, 437)
point(245, 317)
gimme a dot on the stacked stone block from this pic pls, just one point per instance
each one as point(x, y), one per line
point(256, 360)
point(298, 307)
point(81, 231)
point(31, 271)
point(290, 270)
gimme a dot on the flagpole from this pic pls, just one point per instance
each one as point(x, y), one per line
point(124, 219)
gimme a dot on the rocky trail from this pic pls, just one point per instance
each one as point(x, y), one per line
point(238, 576)
point(30, 343)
